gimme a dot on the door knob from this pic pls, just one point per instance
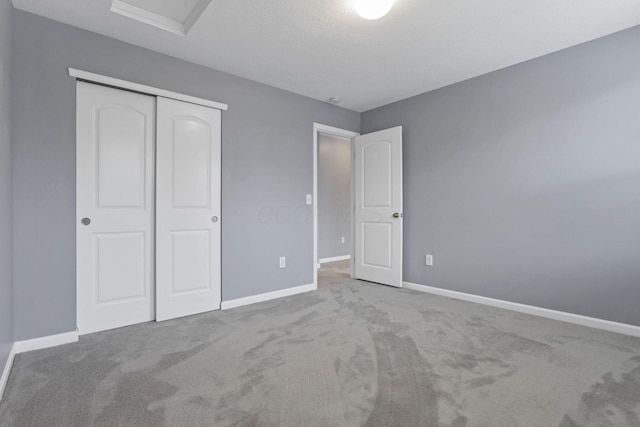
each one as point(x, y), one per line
point(397, 215)
point(214, 219)
point(85, 221)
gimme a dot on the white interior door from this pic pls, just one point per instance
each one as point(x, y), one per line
point(378, 207)
point(187, 209)
point(114, 207)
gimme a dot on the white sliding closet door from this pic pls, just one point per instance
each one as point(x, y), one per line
point(187, 209)
point(114, 207)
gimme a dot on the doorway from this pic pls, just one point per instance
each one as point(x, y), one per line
point(376, 218)
point(335, 142)
point(334, 198)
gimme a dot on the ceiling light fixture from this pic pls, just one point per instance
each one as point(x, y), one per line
point(373, 9)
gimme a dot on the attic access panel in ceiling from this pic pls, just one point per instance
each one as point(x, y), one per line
point(170, 15)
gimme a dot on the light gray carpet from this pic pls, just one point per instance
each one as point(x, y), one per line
point(351, 354)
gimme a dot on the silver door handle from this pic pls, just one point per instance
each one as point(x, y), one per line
point(214, 219)
point(85, 221)
point(397, 215)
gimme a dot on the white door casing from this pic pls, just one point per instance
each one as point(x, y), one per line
point(187, 209)
point(114, 196)
point(378, 207)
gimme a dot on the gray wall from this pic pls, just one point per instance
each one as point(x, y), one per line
point(525, 183)
point(267, 155)
point(334, 196)
point(6, 307)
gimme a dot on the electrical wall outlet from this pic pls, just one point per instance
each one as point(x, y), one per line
point(283, 262)
point(342, 240)
point(429, 260)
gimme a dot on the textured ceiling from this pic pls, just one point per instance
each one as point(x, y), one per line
point(321, 48)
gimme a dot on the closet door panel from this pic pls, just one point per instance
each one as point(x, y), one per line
point(187, 209)
point(114, 207)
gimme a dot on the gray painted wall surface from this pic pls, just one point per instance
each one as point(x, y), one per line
point(267, 155)
point(6, 286)
point(6, 306)
point(525, 183)
point(334, 196)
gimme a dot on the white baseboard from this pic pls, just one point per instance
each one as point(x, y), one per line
point(577, 319)
point(30, 345)
point(333, 259)
point(7, 368)
point(267, 296)
point(46, 342)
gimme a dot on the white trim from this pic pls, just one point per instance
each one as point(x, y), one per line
point(30, 345)
point(343, 133)
point(352, 209)
point(333, 259)
point(147, 17)
point(123, 84)
point(577, 319)
point(45, 342)
point(196, 13)
point(333, 131)
point(226, 305)
point(7, 369)
point(160, 21)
